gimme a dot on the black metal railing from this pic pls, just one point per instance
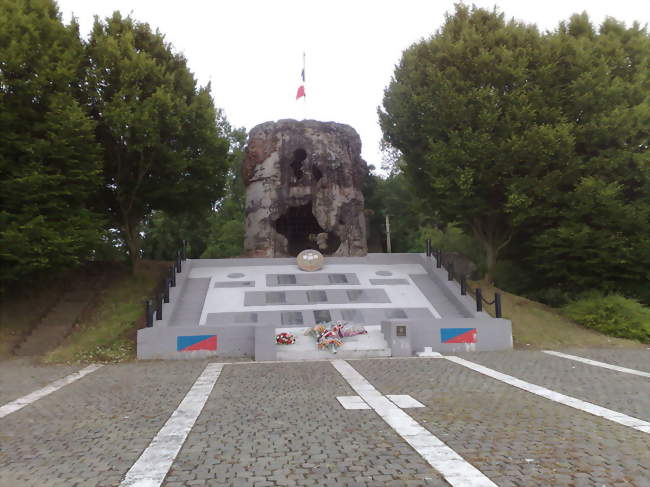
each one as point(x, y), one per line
point(465, 288)
point(153, 307)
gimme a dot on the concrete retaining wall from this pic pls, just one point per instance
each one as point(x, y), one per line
point(461, 328)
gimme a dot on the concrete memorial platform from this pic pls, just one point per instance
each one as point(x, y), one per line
point(235, 308)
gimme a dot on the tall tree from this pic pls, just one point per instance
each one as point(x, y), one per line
point(466, 111)
point(163, 148)
point(214, 232)
point(226, 223)
point(598, 234)
point(49, 160)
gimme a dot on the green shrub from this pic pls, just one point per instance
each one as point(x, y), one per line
point(613, 314)
point(450, 239)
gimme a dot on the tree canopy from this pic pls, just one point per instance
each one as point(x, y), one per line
point(520, 136)
point(49, 159)
point(162, 146)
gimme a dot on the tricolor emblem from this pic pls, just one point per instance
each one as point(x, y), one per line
point(458, 335)
point(196, 342)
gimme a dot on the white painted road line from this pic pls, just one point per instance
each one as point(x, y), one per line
point(21, 402)
point(455, 470)
point(352, 402)
point(597, 363)
point(404, 401)
point(151, 468)
point(620, 418)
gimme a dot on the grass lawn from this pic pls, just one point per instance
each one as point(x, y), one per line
point(109, 333)
point(537, 326)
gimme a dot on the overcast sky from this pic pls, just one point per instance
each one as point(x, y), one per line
point(251, 51)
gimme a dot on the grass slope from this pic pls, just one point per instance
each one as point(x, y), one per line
point(537, 326)
point(109, 334)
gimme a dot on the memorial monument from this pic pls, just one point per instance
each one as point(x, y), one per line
point(304, 189)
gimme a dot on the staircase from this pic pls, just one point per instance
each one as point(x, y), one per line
point(59, 322)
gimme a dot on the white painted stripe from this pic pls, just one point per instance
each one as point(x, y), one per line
point(156, 460)
point(404, 401)
point(21, 402)
point(620, 418)
point(596, 363)
point(352, 402)
point(457, 471)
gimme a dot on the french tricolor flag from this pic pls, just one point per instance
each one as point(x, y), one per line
point(301, 88)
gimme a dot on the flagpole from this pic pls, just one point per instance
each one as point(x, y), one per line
point(304, 80)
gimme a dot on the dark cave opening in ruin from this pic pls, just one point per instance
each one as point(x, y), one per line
point(299, 156)
point(318, 175)
point(300, 227)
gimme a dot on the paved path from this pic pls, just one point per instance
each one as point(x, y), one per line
point(281, 424)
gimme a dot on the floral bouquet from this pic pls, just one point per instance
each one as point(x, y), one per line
point(285, 339)
point(350, 331)
point(315, 331)
point(329, 342)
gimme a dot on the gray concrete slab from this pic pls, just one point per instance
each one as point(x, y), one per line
point(190, 303)
point(389, 282)
point(330, 296)
point(446, 307)
point(228, 284)
point(308, 279)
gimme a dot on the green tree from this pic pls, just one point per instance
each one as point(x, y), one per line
point(213, 232)
point(226, 224)
point(49, 160)
point(593, 232)
point(473, 125)
point(163, 148)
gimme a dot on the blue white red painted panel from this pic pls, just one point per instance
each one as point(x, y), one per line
point(458, 335)
point(189, 343)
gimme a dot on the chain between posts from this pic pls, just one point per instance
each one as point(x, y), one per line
point(153, 308)
point(464, 287)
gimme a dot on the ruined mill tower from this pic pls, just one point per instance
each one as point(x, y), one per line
point(303, 189)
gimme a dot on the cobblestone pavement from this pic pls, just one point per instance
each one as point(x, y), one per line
point(512, 436)
point(20, 376)
point(90, 432)
point(634, 359)
point(280, 424)
point(285, 427)
point(625, 393)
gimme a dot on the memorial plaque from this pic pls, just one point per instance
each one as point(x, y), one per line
point(400, 330)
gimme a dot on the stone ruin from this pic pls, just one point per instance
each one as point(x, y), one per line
point(303, 189)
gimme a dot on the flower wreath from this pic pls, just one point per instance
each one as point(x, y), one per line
point(285, 339)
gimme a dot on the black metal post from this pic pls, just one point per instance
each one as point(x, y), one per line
point(450, 272)
point(172, 276)
point(166, 288)
point(148, 311)
point(159, 307)
point(497, 305)
point(184, 250)
point(178, 262)
point(428, 247)
point(438, 258)
point(479, 299)
point(463, 286)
